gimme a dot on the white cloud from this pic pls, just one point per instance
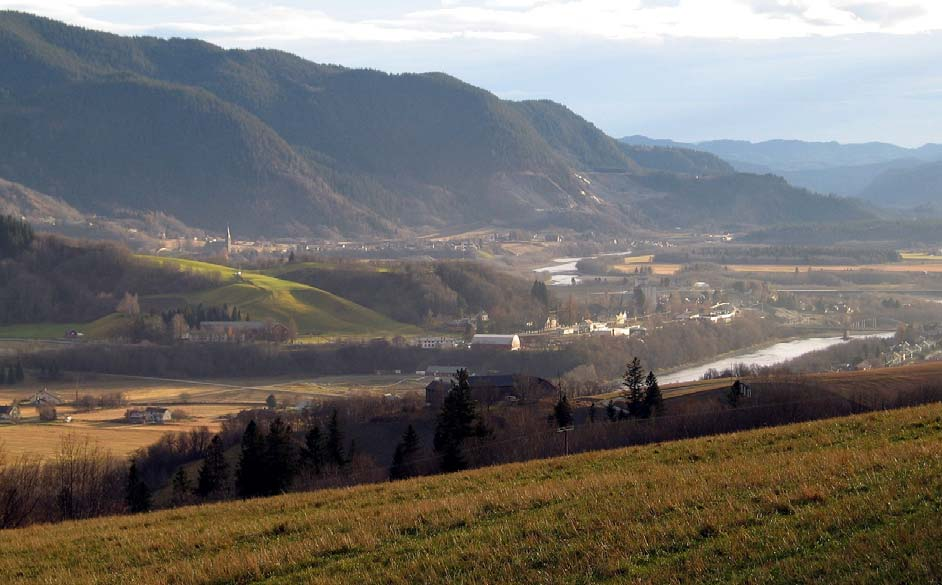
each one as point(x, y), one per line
point(242, 22)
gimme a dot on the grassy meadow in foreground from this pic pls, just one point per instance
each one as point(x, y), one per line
point(854, 500)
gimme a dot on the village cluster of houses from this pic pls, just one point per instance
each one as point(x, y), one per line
point(11, 412)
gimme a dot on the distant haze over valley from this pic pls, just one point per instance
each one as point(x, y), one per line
point(883, 173)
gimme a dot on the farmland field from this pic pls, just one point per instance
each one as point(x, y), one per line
point(205, 403)
point(658, 268)
point(806, 503)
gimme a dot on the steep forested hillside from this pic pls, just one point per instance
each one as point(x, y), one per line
point(274, 144)
point(915, 186)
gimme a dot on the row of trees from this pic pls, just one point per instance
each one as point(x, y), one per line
point(669, 345)
point(15, 236)
point(193, 316)
point(12, 374)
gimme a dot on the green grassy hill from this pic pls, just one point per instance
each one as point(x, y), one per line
point(854, 500)
point(315, 311)
point(58, 285)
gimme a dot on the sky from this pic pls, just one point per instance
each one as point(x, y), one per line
point(846, 70)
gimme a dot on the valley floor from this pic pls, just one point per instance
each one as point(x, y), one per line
point(854, 500)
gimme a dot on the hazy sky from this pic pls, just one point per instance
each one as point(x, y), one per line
point(848, 70)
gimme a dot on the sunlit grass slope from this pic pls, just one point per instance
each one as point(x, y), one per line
point(266, 297)
point(854, 500)
point(100, 328)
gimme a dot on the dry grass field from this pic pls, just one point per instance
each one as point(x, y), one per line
point(658, 268)
point(852, 500)
point(205, 403)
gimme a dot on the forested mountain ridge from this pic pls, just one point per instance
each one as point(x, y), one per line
point(278, 145)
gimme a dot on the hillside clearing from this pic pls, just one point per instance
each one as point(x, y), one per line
point(846, 500)
point(315, 311)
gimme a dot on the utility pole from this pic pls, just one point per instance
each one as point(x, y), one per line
point(565, 431)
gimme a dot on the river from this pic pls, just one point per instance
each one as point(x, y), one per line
point(767, 356)
point(563, 271)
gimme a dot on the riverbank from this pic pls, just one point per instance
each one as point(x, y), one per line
point(765, 354)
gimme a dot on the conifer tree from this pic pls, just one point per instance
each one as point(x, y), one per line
point(279, 463)
point(136, 492)
point(653, 399)
point(250, 475)
point(404, 464)
point(592, 412)
point(457, 422)
point(214, 473)
point(334, 444)
point(634, 390)
point(20, 376)
point(180, 487)
point(314, 454)
point(610, 411)
point(562, 412)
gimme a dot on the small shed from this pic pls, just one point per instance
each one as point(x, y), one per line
point(9, 414)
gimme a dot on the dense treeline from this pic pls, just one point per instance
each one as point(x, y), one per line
point(794, 254)
point(426, 293)
point(899, 233)
point(194, 315)
point(79, 482)
point(740, 199)
point(671, 345)
point(266, 452)
point(60, 280)
point(677, 160)
point(15, 236)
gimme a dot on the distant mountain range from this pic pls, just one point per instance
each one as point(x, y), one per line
point(276, 145)
point(883, 173)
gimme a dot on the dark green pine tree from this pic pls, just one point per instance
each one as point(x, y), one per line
point(457, 422)
point(404, 458)
point(334, 444)
point(180, 488)
point(250, 475)
point(271, 401)
point(280, 466)
point(540, 292)
point(562, 412)
point(653, 399)
point(314, 453)
point(20, 375)
point(136, 492)
point(610, 411)
point(11, 376)
point(593, 409)
point(214, 473)
point(634, 389)
point(733, 393)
